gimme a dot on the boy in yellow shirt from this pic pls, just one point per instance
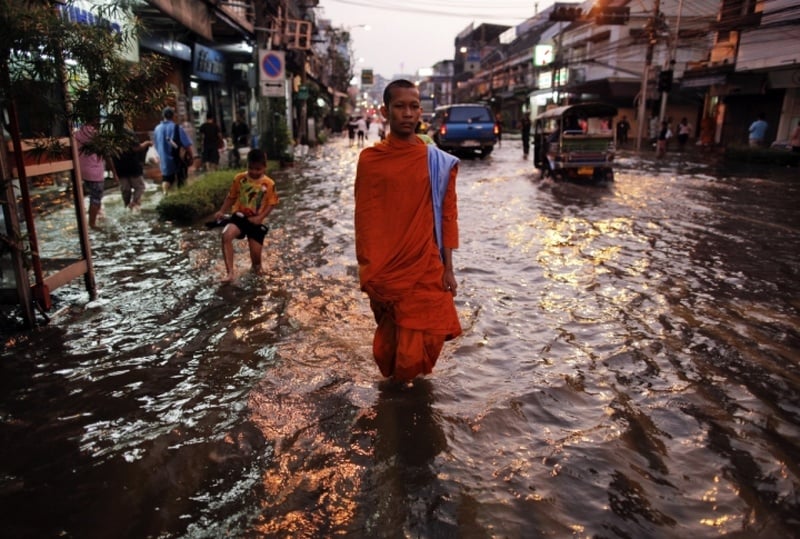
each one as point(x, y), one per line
point(251, 199)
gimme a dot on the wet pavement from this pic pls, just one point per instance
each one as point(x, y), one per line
point(629, 368)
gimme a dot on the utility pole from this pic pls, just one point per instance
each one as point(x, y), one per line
point(270, 37)
point(651, 42)
point(671, 61)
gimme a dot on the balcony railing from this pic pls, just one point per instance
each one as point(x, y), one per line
point(239, 9)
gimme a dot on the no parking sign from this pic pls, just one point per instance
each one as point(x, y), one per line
point(273, 72)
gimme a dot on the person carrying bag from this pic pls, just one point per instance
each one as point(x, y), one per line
point(174, 149)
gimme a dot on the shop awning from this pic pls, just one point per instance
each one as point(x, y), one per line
point(706, 76)
point(702, 81)
point(606, 89)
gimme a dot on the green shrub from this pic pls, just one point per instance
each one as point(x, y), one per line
point(198, 199)
point(202, 197)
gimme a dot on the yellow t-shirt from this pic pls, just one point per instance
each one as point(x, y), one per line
point(425, 138)
point(248, 195)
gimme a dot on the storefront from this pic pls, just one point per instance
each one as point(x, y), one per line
point(208, 86)
point(178, 68)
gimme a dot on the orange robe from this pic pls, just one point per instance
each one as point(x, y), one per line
point(399, 264)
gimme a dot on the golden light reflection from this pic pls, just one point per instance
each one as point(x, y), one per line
point(312, 466)
point(535, 498)
point(711, 494)
point(571, 235)
point(716, 522)
point(601, 257)
point(321, 374)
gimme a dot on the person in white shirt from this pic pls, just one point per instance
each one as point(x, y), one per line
point(684, 131)
point(361, 131)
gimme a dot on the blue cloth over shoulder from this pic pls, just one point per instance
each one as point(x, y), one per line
point(439, 166)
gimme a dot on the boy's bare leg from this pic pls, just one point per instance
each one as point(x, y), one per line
point(94, 211)
point(255, 255)
point(228, 234)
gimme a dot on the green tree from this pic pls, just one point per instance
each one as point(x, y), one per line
point(340, 65)
point(340, 59)
point(40, 47)
point(68, 73)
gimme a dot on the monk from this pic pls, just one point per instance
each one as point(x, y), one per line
point(406, 221)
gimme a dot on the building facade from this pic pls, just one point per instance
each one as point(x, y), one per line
point(715, 62)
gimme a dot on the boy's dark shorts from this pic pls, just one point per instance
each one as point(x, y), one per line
point(248, 229)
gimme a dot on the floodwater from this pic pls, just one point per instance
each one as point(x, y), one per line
point(629, 369)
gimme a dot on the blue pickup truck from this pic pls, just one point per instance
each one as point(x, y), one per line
point(464, 129)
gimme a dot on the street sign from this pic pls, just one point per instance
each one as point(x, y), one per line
point(273, 89)
point(272, 64)
point(272, 72)
point(367, 77)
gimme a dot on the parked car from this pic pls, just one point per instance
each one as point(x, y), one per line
point(575, 141)
point(464, 128)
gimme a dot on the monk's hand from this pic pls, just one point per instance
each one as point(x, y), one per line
point(449, 281)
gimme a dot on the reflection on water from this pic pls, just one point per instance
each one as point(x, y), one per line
point(403, 491)
point(629, 368)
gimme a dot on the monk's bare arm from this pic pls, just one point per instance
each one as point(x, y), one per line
point(449, 278)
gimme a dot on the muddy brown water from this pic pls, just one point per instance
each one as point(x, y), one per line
point(628, 369)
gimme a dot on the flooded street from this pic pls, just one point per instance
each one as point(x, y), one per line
point(630, 368)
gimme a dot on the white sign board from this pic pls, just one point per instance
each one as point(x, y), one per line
point(542, 55)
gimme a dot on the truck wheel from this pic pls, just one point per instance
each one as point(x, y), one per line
point(603, 174)
point(486, 151)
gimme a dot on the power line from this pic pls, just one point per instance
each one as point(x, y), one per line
point(459, 9)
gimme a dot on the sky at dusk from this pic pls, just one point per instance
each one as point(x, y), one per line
point(406, 35)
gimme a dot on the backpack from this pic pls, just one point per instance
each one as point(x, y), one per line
point(183, 157)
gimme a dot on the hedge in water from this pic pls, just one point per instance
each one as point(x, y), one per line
point(199, 199)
